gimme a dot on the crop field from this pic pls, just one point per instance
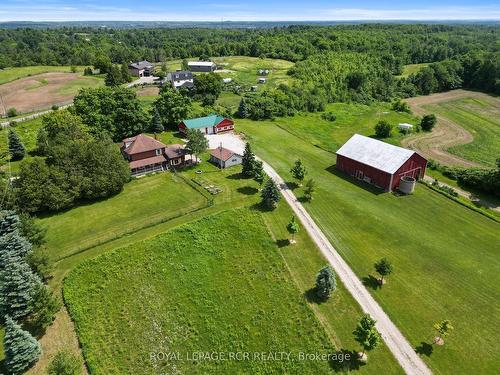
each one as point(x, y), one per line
point(445, 255)
point(41, 91)
point(143, 202)
point(196, 295)
point(11, 74)
point(481, 117)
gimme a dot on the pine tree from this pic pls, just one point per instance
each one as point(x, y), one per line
point(21, 349)
point(248, 161)
point(44, 308)
point(258, 172)
point(242, 109)
point(298, 171)
point(18, 284)
point(325, 282)
point(16, 147)
point(156, 125)
point(13, 248)
point(9, 222)
point(270, 195)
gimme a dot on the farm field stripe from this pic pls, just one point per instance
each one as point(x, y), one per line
point(396, 342)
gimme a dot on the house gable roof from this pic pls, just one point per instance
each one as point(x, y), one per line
point(141, 143)
point(204, 122)
point(141, 65)
point(180, 76)
point(377, 154)
point(223, 154)
point(175, 151)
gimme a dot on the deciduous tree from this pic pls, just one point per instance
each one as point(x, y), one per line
point(383, 268)
point(197, 142)
point(173, 107)
point(298, 171)
point(366, 335)
point(293, 228)
point(428, 122)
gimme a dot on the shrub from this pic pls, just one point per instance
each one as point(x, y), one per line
point(328, 116)
point(428, 122)
point(64, 363)
point(383, 129)
point(73, 69)
point(12, 112)
point(400, 106)
point(55, 107)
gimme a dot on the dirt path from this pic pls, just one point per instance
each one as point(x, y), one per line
point(396, 342)
point(446, 134)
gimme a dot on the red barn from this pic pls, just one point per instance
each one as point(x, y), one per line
point(211, 124)
point(379, 163)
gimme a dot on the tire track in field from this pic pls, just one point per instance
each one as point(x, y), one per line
point(446, 134)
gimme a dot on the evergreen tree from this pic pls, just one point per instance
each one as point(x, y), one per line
point(298, 171)
point(156, 125)
point(18, 284)
point(21, 349)
point(16, 147)
point(258, 172)
point(366, 334)
point(325, 282)
point(242, 109)
point(248, 161)
point(270, 195)
point(44, 308)
point(13, 248)
point(9, 222)
point(428, 122)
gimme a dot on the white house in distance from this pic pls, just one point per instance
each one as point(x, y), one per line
point(180, 79)
point(141, 69)
point(225, 158)
point(202, 66)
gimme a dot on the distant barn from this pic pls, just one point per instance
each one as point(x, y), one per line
point(379, 163)
point(201, 66)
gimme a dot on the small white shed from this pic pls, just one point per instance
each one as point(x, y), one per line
point(405, 127)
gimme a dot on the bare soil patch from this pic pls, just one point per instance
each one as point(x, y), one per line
point(39, 92)
point(446, 134)
point(148, 91)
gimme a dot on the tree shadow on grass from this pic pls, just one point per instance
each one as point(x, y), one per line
point(345, 360)
point(312, 296)
point(292, 185)
point(359, 183)
point(237, 176)
point(261, 207)
point(371, 282)
point(247, 190)
point(424, 349)
point(282, 243)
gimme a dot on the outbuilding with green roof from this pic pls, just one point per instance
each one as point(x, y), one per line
point(211, 124)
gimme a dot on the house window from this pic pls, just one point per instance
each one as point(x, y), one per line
point(158, 152)
point(234, 160)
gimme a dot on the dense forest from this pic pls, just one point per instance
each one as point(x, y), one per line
point(402, 44)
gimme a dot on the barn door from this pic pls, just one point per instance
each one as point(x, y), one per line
point(359, 174)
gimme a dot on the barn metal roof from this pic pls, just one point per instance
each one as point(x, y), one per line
point(377, 154)
point(201, 63)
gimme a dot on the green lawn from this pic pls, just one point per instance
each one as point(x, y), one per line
point(445, 256)
point(351, 118)
point(143, 202)
point(238, 294)
point(11, 74)
point(82, 82)
point(412, 69)
point(482, 119)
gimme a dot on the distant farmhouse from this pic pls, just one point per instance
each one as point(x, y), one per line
point(146, 155)
point(211, 124)
point(263, 72)
point(379, 163)
point(180, 79)
point(225, 158)
point(202, 66)
point(141, 69)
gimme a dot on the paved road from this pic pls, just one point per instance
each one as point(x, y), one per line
point(396, 342)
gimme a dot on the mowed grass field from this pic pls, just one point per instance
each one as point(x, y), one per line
point(143, 202)
point(11, 74)
point(445, 256)
point(351, 118)
point(412, 69)
point(481, 118)
point(184, 292)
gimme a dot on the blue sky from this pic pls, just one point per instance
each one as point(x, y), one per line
point(238, 10)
